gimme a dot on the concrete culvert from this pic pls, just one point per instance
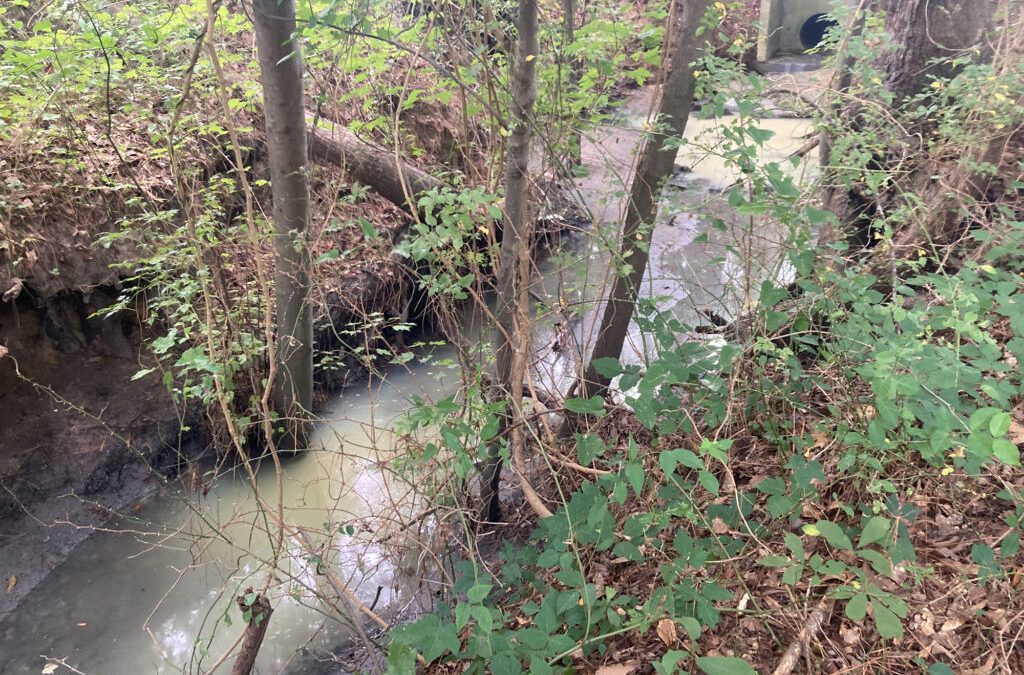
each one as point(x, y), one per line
point(812, 32)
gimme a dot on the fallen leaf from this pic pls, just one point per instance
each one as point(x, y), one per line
point(12, 580)
point(667, 631)
point(617, 669)
point(718, 526)
point(983, 669)
point(1016, 432)
point(82, 624)
point(49, 668)
point(951, 625)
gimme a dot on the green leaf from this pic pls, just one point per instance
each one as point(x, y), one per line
point(708, 480)
point(333, 254)
point(818, 216)
point(477, 593)
point(585, 406)
point(635, 476)
point(981, 417)
point(430, 636)
point(589, 447)
point(887, 623)
point(539, 665)
point(879, 562)
point(607, 367)
point(857, 607)
point(670, 459)
point(401, 660)
point(724, 665)
point(834, 535)
point(484, 619)
point(774, 561)
point(1006, 451)
point(461, 615)
point(999, 424)
point(370, 232)
point(779, 506)
point(794, 544)
point(875, 530)
point(939, 669)
point(771, 486)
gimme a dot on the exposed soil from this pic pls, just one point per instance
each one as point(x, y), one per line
point(79, 437)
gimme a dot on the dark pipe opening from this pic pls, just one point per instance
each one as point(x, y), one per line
point(814, 29)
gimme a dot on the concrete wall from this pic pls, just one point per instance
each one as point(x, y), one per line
point(780, 25)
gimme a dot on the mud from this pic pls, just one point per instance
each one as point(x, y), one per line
point(79, 438)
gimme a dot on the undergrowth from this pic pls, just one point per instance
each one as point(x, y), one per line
point(845, 459)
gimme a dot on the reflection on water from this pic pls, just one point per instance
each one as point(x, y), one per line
point(158, 596)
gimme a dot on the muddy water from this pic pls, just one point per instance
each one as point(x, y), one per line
point(692, 267)
point(152, 597)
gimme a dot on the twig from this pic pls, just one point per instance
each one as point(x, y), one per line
point(255, 629)
point(811, 627)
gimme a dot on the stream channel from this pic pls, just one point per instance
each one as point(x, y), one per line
point(150, 593)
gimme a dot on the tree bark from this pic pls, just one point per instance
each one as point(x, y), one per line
point(653, 168)
point(255, 630)
point(924, 35)
point(923, 30)
point(511, 340)
point(396, 181)
point(281, 72)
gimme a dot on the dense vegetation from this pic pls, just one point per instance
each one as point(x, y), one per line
point(813, 465)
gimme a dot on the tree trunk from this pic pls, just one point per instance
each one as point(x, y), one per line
point(573, 79)
point(653, 168)
point(835, 116)
point(281, 73)
point(255, 629)
point(511, 341)
point(924, 34)
point(393, 179)
point(923, 30)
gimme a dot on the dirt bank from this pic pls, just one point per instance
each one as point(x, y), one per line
point(78, 436)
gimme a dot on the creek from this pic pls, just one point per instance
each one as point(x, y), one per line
point(149, 593)
point(153, 592)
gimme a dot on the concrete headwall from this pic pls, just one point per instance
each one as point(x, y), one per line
point(780, 25)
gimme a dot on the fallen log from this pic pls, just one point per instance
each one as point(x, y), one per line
point(394, 179)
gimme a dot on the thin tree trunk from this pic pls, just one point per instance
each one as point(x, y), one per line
point(573, 79)
point(511, 341)
point(281, 72)
point(653, 169)
point(255, 630)
point(833, 193)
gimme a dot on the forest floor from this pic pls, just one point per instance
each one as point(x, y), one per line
point(959, 609)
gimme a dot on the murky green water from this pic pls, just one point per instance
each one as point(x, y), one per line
point(693, 267)
point(152, 598)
